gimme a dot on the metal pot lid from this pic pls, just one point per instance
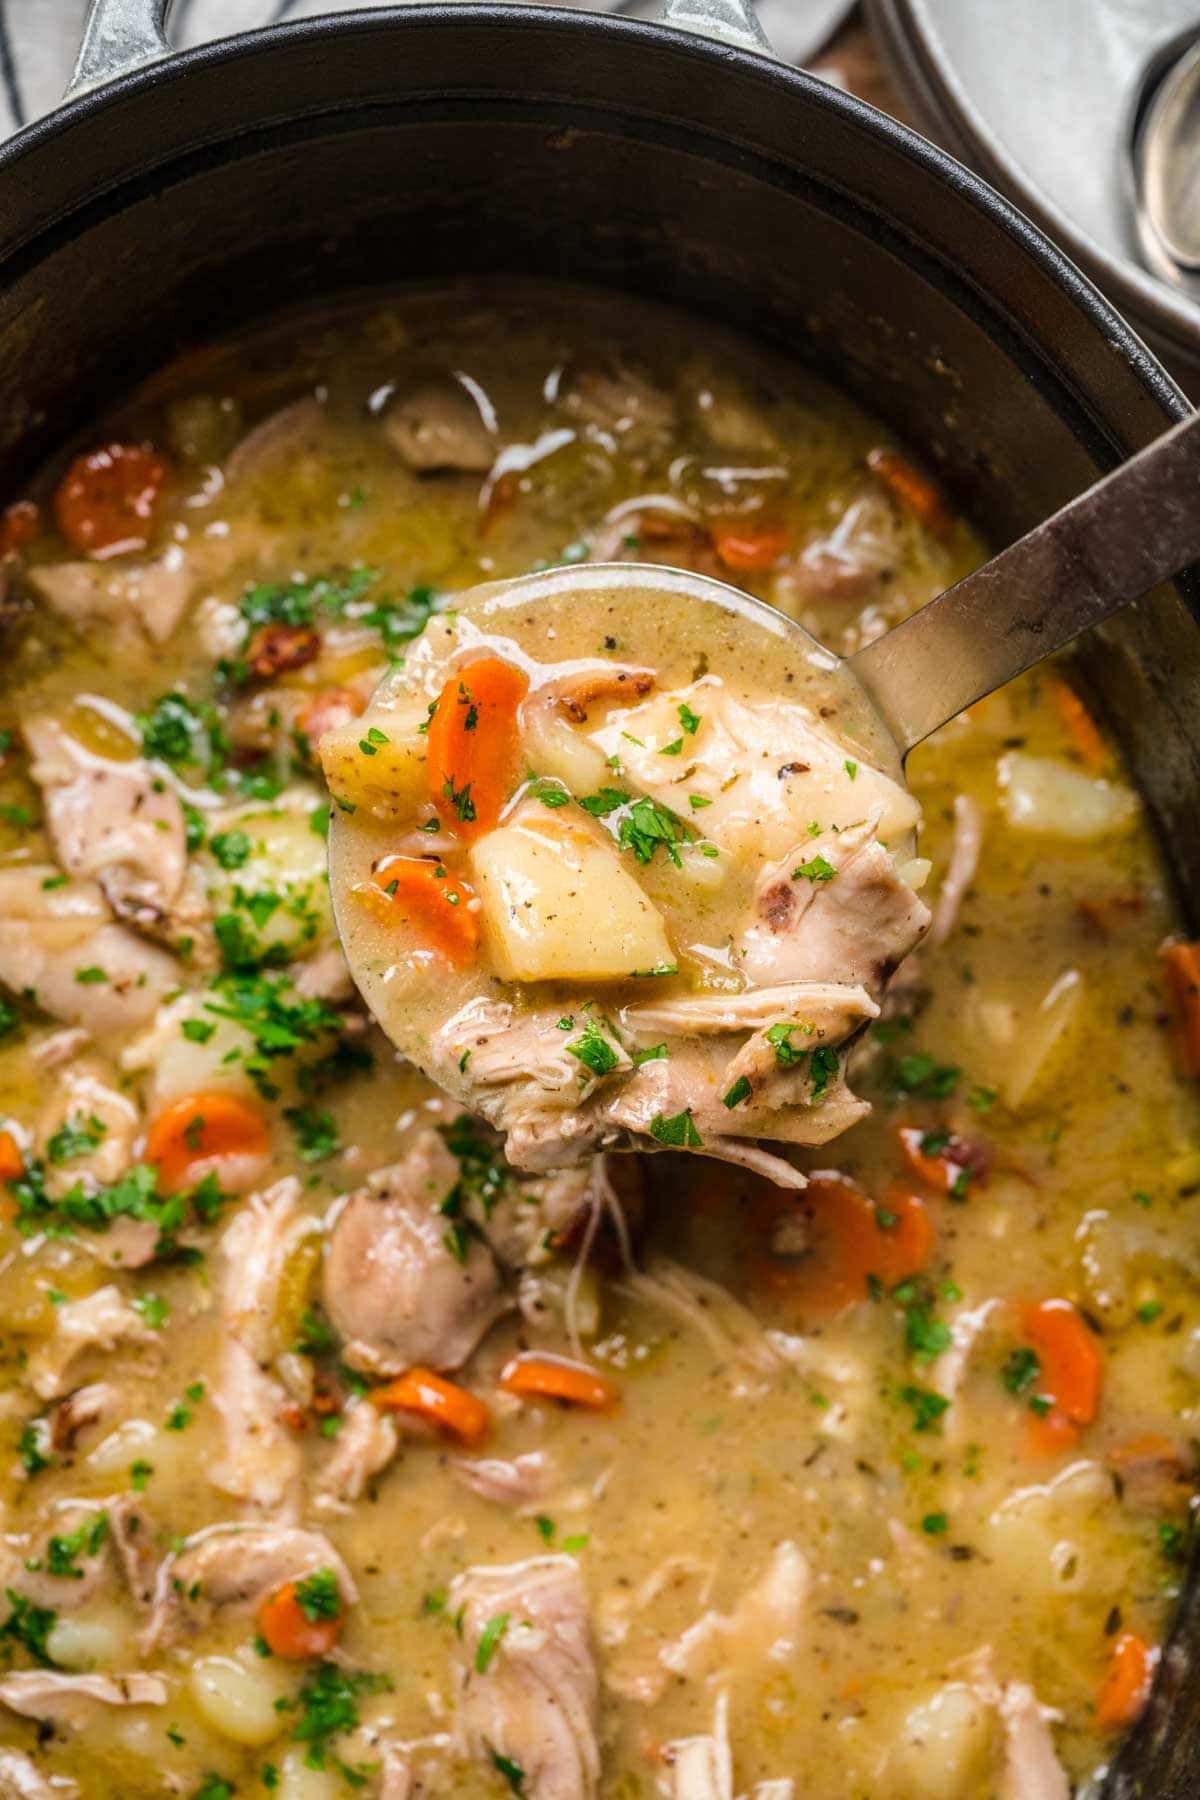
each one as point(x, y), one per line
point(1037, 99)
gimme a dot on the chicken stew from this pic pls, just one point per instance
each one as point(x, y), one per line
point(339, 1454)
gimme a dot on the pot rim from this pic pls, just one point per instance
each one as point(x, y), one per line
point(934, 164)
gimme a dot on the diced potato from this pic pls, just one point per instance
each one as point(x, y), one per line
point(553, 747)
point(237, 1700)
point(1052, 799)
point(101, 1638)
point(286, 863)
point(942, 1748)
point(558, 904)
point(389, 778)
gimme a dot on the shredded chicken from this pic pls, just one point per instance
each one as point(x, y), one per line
point(134, 600)
point(522, 1482)
point(1030, 1768)
point(618, 400)
point(731, 1329)
point(766, 1622)
point(101, 1324)
point(228, 1570)
point(394, 1287)
point(262, 1461)
point(856, 925)
point(536, 1700)
point(116, 821)
point(48, 935)
point(70, 1701)
point(95, 1404)
point(84, 1097)
point(701, 1768)
point(960, 871)
point(365, 1445)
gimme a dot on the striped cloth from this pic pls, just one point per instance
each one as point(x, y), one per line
point(39, 38)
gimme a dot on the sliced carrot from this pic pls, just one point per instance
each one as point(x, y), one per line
point(12, 1163)
point(475, 745)
point(418, 894)
point(105, 502)
point(827, 1242)
point(749, 547)
point(1081, 728)
point(288, 1630)
point(557, 1378)
point(198, 1132)
point(328, 708)
point(1181, 963)
point(941, 1158)
point(18, 524)
point(911, 489)
point(1050, 1433)
point(1072, 1369)
point(1125, 1687)
point(430, 1396)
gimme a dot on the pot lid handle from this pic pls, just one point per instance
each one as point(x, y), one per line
point(728, 21)
point(119, 36)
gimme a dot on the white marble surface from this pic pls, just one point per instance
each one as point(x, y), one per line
point(42, 36)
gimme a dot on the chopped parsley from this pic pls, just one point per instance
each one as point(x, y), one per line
point(92, 976)
point(780, 1039)
point(512, 1771)
point(316, 1132)
point(927, 1406)
point(489, 1641)
point(605, 802)
point(460, 799)
point(482, 1170)
point(982, 1099)
point(10, 1018)
point(851, 768)
point(648, 827)
point(328, 1704)
point(818, 868)
point(153, 1309)
point(741, 1090)
point(921, 1077)
point(677, 1133)
point(231, 848)
point(316, 1335)
point(688, 719)
point(279, 1025)
point(823, 1067)
point(139, 1474)
point(183, 734)
point(318, 1595)
point(32, 1446)
point(934, 1524)
point(213, 1788)
point(1021, 1370)
point(87, 1540)
point(594, 1050)
point(924, 1333)
point(655, 1053)
point(75, 1137)
point(29, 1625)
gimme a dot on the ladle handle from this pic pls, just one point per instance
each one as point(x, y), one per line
point(1134, 528)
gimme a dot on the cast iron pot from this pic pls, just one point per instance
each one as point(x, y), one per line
point(173, 197)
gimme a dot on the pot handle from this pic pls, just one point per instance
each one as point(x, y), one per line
point(119, 36)
point(728, 21)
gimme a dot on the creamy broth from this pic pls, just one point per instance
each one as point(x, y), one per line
point(841, 1487)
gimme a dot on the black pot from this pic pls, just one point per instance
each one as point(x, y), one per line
point(186, 195)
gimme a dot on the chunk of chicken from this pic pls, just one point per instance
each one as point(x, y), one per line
point(261, 1464)
point(767, 1622)
point(1032, 1770)
point(960, 871)
point(536, 1702)
point(116, 821)
point(523, 1481)
point(441, 426)
point(767, 769)
point(70, 1701)
point(701, 1768)
point(136, 600)
point(856, 925)
point(118, 1540)
point(97, 1403)
point(396, 1286)
point(61, 945)
point(101, 1324)
point(619, 401)
point(228, 1570)
point(363, 1447)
